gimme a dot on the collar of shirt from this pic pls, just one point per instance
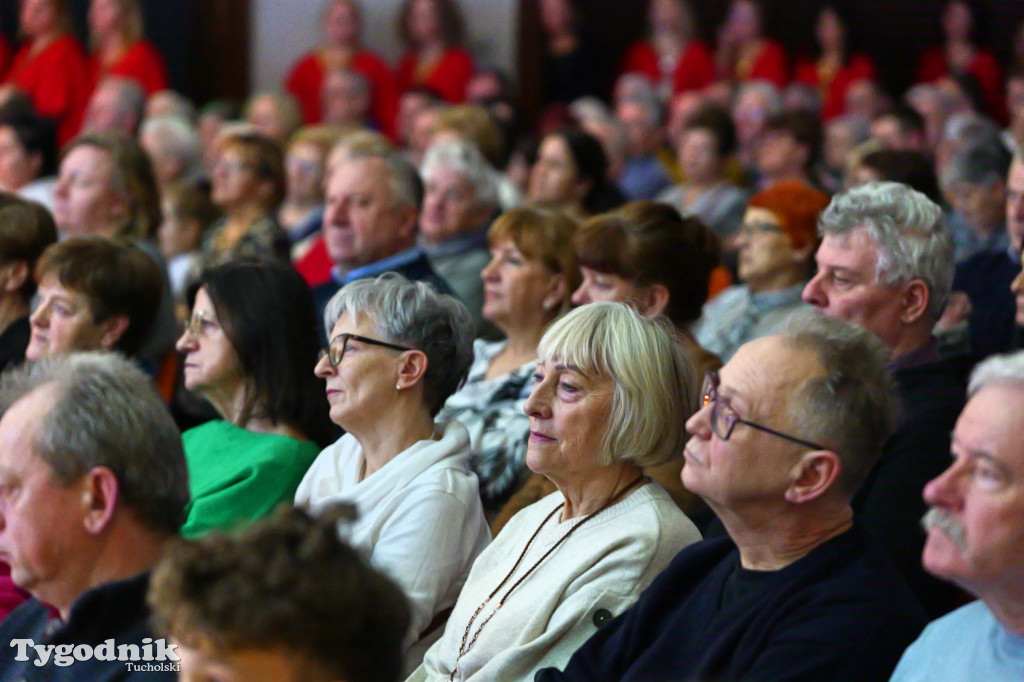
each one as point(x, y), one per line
point(769, 300)
point(476, 239)
point(391, 262)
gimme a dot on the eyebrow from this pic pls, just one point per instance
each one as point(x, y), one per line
point(562, 366)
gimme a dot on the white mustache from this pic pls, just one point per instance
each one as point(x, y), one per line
point(936, 518)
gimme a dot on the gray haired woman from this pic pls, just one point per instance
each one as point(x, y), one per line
point(397, 351)
point(611, 393)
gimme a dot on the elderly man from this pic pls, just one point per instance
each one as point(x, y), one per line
point(345, 98)
point(460, 198)
point(886, 263)
point(976, 537)
point(174, 148)
point(775, 245)
point(373, 199)
point(92, 485)
point(797, 591)
point(116, 105)
point(644, 176)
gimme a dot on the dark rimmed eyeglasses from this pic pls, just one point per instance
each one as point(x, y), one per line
point(724, 418)
point(335, 351)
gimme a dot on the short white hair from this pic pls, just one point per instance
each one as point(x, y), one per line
point(465, 159)
point(655, 382)
point(1001, 370)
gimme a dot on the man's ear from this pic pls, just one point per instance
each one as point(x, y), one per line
point(813, 475)
point(914, 300)
point(408, 222)
point(411, 368)
point(652, 299)
point(112, 329)
point(100, 494)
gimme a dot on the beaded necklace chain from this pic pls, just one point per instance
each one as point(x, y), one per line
point(464, 647)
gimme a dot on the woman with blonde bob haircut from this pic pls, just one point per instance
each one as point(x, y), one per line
point(611, 393)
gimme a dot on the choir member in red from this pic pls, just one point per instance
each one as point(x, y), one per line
point(671, 57)
point(959, 54)
point(115, 27)
point(51, 67)
point(5, 61)
point(433, 32)
point(836, 66)
point(343, 50)
point(743, 53)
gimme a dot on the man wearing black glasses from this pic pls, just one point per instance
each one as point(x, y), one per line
point(787, 432)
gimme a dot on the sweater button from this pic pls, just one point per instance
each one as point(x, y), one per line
point(602, 616)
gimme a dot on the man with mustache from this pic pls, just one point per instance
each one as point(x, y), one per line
point(976, 537)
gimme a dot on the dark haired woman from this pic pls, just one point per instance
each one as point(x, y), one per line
point(835, 67)
point(249, 346)
point(570, 175)
point(433, 33)
point(960, 54)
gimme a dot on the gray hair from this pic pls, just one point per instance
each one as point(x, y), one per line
point(912, 237)
point(413, 314)
point(107, 413)
point(171, 102)
point(465, 159)
point(1002, 370)
point(767, 91)
point(131, 100)
point(177, 137)
point(852, 407)
point(982, 162)
point(654, 381)
point(406, 186)
point(654, 110)
point(969, 127)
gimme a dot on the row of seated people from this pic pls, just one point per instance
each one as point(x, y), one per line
point(604, 579)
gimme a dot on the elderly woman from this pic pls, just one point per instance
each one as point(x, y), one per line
point(397, 351)
point(459, 200)
point(105, 187)
point(115, 27)
point(648, 255)
point(611, 393)
point(707, 143)
point(571, 175)
point(248, 348)
point(527, 284)
point(248, 184)
point(94, 294)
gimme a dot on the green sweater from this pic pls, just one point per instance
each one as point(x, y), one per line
point(239, 476)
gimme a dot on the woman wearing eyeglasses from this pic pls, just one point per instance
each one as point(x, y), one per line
point(397, 351)
point(250, 342)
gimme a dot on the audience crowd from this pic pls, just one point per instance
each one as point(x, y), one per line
point(713, 371)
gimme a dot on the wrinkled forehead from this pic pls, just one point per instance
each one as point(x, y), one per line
point(766, 373)
point(855, 249)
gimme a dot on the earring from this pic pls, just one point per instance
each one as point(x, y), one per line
point(398, 385)
point(547, 305)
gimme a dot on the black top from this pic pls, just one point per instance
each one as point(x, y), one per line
point(889, 503)
point(115, 610)
point(14, 342)
point(985, 278)
point(839, 613)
